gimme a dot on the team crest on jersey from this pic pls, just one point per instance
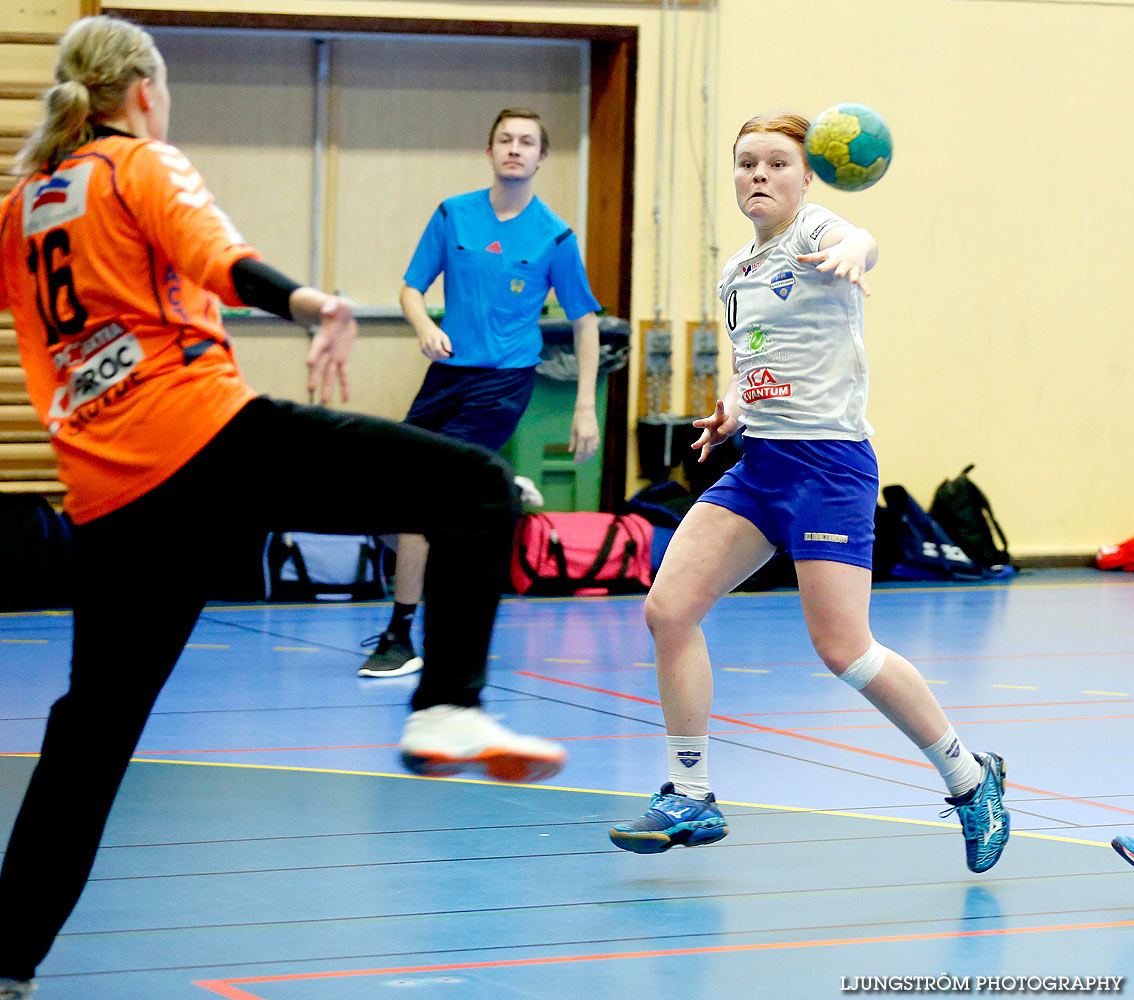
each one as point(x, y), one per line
point(58, 199)
point(517, 285)
point(783, 283)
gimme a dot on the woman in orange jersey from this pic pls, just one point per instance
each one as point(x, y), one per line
point(114, 260)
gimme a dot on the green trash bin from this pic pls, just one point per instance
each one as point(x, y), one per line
point(538, 448)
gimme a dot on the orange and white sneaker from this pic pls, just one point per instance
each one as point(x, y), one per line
point(446, 739)
point(1119, 556)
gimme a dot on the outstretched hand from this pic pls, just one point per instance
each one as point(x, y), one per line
point(715, 428)
point(330, 349)
point(847, 258)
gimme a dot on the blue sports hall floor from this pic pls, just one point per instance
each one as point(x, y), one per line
point(267, 845)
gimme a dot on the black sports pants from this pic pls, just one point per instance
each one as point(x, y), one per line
point(144, 572)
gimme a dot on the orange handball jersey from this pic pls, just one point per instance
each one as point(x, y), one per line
point(112, 267)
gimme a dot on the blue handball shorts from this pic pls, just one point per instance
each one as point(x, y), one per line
point(815, 499)
point(479, 405)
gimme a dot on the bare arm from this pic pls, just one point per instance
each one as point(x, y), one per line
point(584, 424)
point(432, 340)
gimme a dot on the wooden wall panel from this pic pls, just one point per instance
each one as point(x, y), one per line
point(42, 17)
point(247, 124)
point(19, 114)
point(26, 65)
point(386, 367)
point(411, 127)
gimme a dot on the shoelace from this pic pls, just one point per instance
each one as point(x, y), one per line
point(376, 640)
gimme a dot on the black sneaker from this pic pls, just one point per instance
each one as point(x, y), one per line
point(392, 657)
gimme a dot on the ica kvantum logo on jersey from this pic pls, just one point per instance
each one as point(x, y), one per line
point(760, 384)
point(783, 283)
point(60, 198)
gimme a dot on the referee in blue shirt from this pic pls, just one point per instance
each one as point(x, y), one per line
point(501, 250)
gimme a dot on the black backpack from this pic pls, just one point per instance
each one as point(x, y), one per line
point(965, 514)
point(35, 554)
point(909, 544)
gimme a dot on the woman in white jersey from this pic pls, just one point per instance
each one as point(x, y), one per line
point(808, 483)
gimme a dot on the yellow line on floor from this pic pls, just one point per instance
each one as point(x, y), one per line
point(1016, 687)
point(27, 642)
point(586, 791)
point(1117, 694)
point(206, 645)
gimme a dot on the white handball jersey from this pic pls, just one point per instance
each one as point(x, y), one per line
point(797, 337)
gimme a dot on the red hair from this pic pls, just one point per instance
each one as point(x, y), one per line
point(792, 125)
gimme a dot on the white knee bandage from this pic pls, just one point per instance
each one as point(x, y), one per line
point(863, 670)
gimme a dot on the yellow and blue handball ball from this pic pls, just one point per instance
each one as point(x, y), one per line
point(849, 146)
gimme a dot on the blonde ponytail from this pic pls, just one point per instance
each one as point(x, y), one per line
point(99, 57)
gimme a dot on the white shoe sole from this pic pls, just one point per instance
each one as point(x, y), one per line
point(498, 764)
point(409, 667)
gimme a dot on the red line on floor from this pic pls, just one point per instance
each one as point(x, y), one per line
point(958, 708)
point(946, 659)
point(747, 727)
point(974, 722)
point(733, 721)
point(828, 743)
point(227, 987)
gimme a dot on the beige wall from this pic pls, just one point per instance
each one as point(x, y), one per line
point(412, 118)
point(406, 126)
point(247, 125)
point(997, 329)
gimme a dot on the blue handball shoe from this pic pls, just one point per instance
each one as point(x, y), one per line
point(984, 820)
point(1125, 848)
point(672, 821)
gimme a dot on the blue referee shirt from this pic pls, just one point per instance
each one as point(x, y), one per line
point(497, 276)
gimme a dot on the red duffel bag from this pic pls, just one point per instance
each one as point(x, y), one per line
point(581, 553)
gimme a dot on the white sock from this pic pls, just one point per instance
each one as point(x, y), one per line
point(689, 765)
point(959, 768)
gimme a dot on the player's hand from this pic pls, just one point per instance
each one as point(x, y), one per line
point(715, 428)
point(330, 349)
point(847, 259)
point(435, 343)
point(584, 435)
